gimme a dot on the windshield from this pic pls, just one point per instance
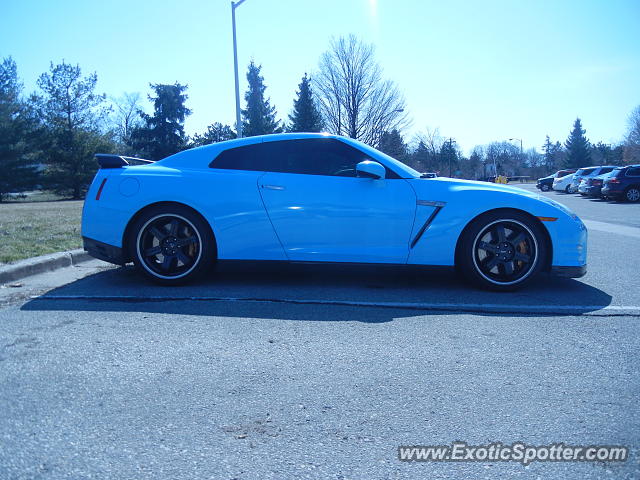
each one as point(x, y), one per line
point(585, 171)
point(403, 170)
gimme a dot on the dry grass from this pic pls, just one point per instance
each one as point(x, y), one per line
point(32, 229)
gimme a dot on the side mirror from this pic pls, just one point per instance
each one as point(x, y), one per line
point(370, 169)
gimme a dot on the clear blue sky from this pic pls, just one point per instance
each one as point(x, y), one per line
point(478, 70)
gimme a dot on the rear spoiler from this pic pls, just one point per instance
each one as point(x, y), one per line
point(108, 160)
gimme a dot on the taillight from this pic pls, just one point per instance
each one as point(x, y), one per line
point(613, 180)
point(100, 189)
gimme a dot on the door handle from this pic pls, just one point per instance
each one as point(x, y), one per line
point(273, 187)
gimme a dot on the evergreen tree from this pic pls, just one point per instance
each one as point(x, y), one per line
point(163, 132)
point(420, 158)
point(578, 147)
point(393, 145)
point(17, 126)
point(306, 116)
point(552, 153)
point(215, 133)
point(259, 118)
point(71, 112)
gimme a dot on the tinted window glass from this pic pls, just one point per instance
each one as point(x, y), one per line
point(250, 157)
point(317, 156)
point(633, 172)
point(605, 170)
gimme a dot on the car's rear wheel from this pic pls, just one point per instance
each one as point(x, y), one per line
point(502, 250)
point(172, 245)
point(632, 194)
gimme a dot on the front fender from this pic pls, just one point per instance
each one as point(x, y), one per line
point(464, 201)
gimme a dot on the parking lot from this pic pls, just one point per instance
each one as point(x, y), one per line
point(321, 372)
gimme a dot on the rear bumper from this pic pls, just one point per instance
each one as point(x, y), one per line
point(611, 193)
point(593, 191)
point(103, 251)
point(569, 272)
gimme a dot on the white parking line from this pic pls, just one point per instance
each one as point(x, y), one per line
point(599, 310)
point(612, 228)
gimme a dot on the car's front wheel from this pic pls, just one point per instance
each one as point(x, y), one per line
point(502, 250)
point(544, 188)
point(172, 245)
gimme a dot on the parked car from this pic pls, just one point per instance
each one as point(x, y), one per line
point(320, 198)
point(577, 177)
point(546, 183)
point(593, 185)
point(596, 172)
point(623, 184)
point(563, 184)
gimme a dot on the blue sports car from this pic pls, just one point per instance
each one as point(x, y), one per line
point(319, 198)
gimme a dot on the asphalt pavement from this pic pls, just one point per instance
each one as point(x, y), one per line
point(320, 372)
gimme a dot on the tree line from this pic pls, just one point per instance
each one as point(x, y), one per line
point(48, 138)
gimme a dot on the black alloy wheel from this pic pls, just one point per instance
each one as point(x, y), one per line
point(502, 251)
point(172, 246)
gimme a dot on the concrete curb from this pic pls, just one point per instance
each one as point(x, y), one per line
point(45, 263)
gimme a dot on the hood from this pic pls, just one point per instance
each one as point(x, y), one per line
point(456, 184)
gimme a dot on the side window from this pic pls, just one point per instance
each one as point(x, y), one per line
point(605, 170)
point(318, 156)
point(250, 157)
point(313, 156)
point(633, 172)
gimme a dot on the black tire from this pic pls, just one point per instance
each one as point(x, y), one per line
point(502, 250)
point(544, 188)
point(567, 189)
point(632, 194)
point(172, 245)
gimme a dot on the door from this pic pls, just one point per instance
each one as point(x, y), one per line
point(321, 211)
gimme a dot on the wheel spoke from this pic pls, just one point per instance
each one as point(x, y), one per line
point(521, 257)
point(508, 268)
point(518, 238)
point(157, 233)
point(149, 252)
point(167, 263)
point(500, 233)
point(487, 247)
point(186, 241)
point(173, 229)
point(490, 263)
point(183, 258)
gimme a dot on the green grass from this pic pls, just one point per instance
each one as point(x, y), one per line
point(36, 228)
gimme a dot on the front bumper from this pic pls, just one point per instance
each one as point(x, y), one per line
point(569, 272)
point(103, 251)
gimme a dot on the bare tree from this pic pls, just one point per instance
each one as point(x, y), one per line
point(354, 98)
point(632, 140)
point(431, 139)
point(127, 116)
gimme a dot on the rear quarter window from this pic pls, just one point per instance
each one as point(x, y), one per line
point(633, 172)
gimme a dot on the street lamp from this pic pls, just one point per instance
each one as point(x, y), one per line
point(511, 139)
point(235, 5)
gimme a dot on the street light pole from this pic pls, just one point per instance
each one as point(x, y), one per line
point(235, 5)
point(512, 139)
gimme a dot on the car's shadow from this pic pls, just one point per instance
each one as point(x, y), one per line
point(364, 293)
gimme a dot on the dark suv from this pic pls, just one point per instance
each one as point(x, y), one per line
point(623, 184)
point(545, 183)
